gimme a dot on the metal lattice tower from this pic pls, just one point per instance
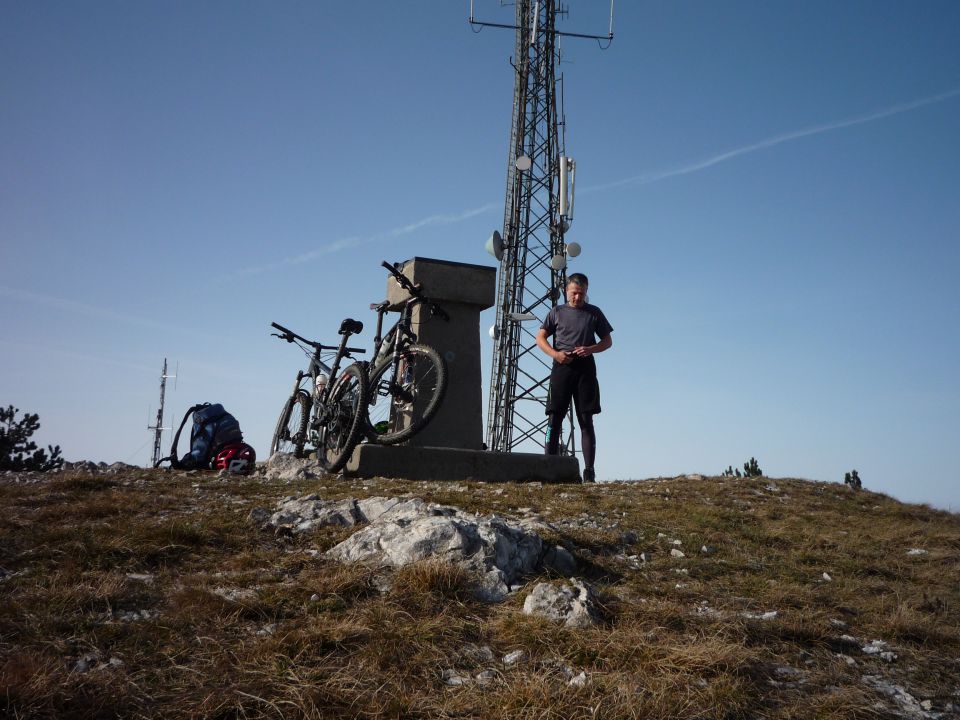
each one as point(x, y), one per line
point(158, 428)
point(529, 284)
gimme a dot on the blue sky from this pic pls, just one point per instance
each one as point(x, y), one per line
point(768, 203)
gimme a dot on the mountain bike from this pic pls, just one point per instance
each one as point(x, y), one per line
point(326, 411)
point(407, 379)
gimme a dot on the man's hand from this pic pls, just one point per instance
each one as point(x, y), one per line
point(583, 351)
point(563, 357)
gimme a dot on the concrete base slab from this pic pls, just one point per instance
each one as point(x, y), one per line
point(433, 463)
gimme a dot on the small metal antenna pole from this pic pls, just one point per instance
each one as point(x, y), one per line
point(158, 428)
point(531, 280)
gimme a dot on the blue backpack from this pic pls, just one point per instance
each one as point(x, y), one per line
point(213, 428)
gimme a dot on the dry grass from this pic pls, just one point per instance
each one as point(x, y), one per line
point(151, 595)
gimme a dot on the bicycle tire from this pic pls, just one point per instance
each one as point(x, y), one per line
point(422, 395)
point(344, 413)
point(291, 433)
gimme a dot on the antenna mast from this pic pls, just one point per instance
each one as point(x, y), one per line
point(537, 212)
point(158, 428)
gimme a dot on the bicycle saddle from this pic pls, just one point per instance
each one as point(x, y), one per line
point(351, 327)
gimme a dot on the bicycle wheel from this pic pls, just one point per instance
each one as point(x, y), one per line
point(402, 404)
point(291, 432)
point(341, 419)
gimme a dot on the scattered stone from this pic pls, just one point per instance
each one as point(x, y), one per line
point(907, 702)
point(259, 516)
point(879, 647)
point(839, 624)
point(770, 615)
point(677, 553)
point(485, 677)
point(145, 578)
point(475, 654)
point(284, 466)
point(826, 577)
point(676, 542)
point(91, 662)
point(512, 658)
point(236, 595)
point(267, 630)
point(574, 603)
point(916, 551)
point(88, 467)
point(578, 680)
point(703, 608)
point(707, 550)
point(85, 662)
point(452, 678)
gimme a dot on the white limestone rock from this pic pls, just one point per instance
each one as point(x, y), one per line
point(573, 603)
point(284, 466)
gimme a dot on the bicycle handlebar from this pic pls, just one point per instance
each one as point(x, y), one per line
point(402, 279)
point(290, 336)
point(415, 289)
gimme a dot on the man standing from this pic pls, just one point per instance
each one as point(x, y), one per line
point(576, 328)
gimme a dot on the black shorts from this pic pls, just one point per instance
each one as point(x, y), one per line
point(576, 380)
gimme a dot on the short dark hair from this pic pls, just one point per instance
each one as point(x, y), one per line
point(578, 279)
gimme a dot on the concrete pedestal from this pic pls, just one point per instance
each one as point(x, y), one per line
point(463, 291)
point(432, 463)
point(451, 446)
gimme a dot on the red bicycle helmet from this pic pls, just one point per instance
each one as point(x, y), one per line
point(237, 458)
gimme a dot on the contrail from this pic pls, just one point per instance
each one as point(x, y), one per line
point(647, 178)
point(350, 242)
point(71, 353)
point(94, 311)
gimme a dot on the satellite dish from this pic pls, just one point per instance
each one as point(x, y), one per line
point(494, 245)
point(521, 316)
point(573, 249)
point(494, 332)
point(554, 293)
point(558, 262)
point(524, 163)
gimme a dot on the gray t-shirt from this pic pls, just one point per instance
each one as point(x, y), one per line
point(574, 327)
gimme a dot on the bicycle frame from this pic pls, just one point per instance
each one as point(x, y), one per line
point(404, 326)
point(318, 402)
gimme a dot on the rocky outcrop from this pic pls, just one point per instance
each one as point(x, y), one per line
point(403, 531)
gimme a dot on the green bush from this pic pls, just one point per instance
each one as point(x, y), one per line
point(750, 469)
point(17, 451)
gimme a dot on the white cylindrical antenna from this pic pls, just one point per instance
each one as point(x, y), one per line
point(562, 209)
point(536, 21)
point(568, 171)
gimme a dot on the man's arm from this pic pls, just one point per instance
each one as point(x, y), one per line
point(544, 344)
point(606, 342)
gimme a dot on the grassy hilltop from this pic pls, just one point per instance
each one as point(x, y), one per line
point(152, 594)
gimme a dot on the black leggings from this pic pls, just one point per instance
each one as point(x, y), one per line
point(588, 437)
